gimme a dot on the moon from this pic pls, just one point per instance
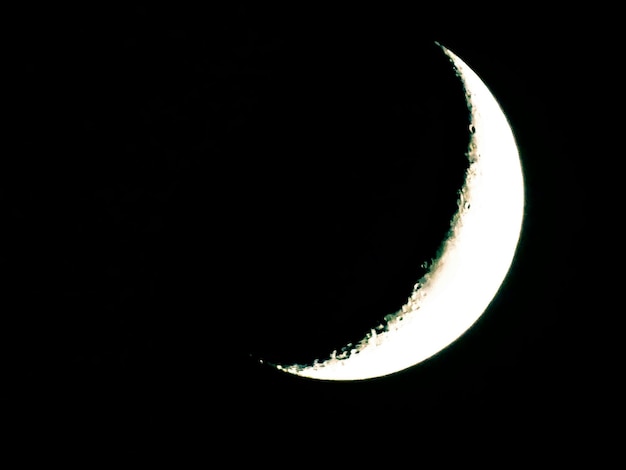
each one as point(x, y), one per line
point(471, 262)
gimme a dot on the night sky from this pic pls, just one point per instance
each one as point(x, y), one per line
point(196, 188)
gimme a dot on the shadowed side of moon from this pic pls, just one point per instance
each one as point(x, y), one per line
point(354, 157)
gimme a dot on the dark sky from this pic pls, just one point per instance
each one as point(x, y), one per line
point(194, 187)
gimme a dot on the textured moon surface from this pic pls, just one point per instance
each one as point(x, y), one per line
point(471, 263)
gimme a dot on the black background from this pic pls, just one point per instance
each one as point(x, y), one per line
point(196, 188)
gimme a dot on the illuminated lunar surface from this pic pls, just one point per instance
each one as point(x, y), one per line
point(471, 263)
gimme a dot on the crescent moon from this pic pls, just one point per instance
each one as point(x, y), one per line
point(471, 263)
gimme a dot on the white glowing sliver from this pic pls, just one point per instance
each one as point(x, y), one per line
point(473, 261)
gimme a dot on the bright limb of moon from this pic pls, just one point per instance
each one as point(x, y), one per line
point(472, 261)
